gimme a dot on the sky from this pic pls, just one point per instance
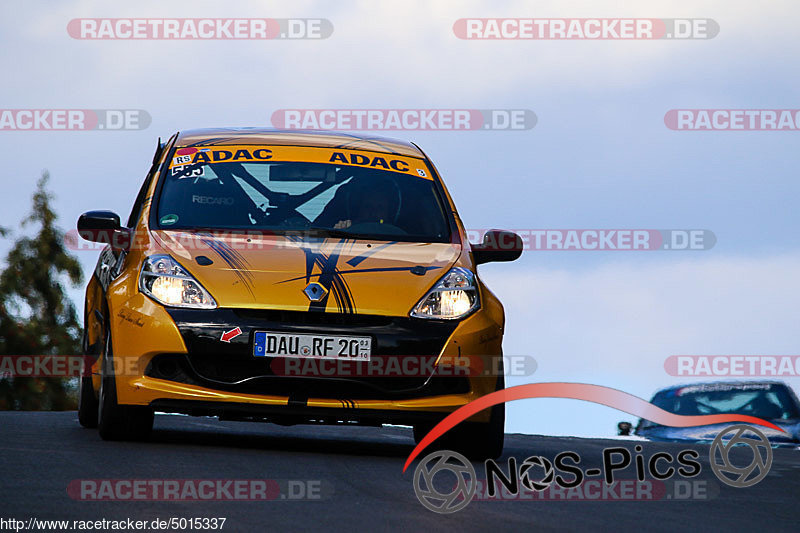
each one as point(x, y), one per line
point(599, 156)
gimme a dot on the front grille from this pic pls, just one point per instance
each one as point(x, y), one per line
point(231, 366)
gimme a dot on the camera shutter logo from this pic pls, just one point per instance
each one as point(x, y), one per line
point(736, 476)
point(445, 502)
point(525, 473)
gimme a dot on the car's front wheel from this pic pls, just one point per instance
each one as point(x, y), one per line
point(87, 403)
point(119, 422)
point(474, 440)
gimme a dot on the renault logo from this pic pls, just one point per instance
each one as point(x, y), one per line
point(315, 292)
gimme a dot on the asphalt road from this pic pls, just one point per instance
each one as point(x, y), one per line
point(355, 476)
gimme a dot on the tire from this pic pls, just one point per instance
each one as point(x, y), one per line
point(119, 422)
point(482, 440)
point(474, 440)
point(420, 430)
point(87, 403)
point(87, 399)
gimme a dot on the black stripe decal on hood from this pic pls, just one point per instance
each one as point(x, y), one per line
point(355, 261)
point(364, 270)
point(329, 277)
point(234, 259)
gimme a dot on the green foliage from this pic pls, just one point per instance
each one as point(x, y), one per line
point(36, 315)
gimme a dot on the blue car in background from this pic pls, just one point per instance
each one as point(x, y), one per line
point(771, 400)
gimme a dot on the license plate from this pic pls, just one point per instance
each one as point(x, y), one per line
point(274, 344)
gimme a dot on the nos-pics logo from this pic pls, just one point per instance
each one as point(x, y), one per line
point(446, 482)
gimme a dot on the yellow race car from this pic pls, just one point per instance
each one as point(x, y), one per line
point(292, 277)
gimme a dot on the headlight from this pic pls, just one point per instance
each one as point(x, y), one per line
point(455, 296)
point(168, 283)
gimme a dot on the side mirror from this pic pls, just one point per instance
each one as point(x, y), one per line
point(498, 245)
point(104, 227)
point(624, 428)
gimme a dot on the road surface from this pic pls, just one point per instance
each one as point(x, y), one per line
point(354, 476)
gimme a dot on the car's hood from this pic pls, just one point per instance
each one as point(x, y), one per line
point(709, 433)
point(271, 271)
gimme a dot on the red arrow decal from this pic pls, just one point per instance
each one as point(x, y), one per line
point(228, 335)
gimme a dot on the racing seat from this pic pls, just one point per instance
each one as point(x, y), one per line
point(210, 203)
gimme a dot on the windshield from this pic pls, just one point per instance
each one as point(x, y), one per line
point(279, 189)
point(768, 401)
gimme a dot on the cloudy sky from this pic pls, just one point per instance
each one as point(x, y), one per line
point(600, 156)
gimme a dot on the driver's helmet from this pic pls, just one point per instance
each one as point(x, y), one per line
point(372, 199)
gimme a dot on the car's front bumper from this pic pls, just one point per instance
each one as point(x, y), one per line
point(220, 377)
